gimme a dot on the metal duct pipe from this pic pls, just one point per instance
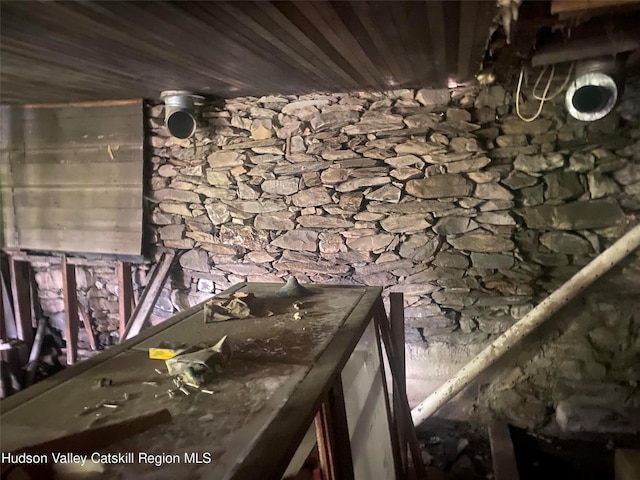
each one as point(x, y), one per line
point(179, 112)
point(594, 92)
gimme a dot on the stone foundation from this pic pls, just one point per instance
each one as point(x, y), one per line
point(443, 195)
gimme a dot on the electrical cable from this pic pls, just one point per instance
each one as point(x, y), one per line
point(557, 92)
point(544, 95)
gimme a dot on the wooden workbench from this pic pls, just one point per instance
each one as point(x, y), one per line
point(264, 402)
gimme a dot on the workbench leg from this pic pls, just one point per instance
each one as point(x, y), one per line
point(396, 307)
point(404, 414)
point(332, 433)
point(21, 290)
point(394, 432)
point(71, 309)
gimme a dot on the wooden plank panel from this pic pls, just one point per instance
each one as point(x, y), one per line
point(124, 243)
point(80, 155)
point(77, 126)
point(96, 219)
point(63, 157)
point(116, 197)
point(94, 174)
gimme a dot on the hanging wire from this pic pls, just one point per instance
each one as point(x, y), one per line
point(557, 92)
point(544, 96)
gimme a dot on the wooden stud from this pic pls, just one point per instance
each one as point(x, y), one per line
point(125, 295)
point(71, 310)
point(21, 291)
point(332, 432)
point(323, 437)
point(87, 326)
point(395, 440)
point(3, 315)
point(503, 456)
point(149, 296)
point(382, 322)
point(396, 301)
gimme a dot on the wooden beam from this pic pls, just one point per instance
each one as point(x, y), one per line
point(78, 261)
point(86, 321)
point(149, 296)
point(21, 291)
point(573, 6)
point(71, 310)
point(380, 317)
point(395, 439)
point(125, 295)
point(332, 432)
point(503, 456)
point(396, 303)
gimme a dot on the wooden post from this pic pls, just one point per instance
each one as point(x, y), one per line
point(396, 304)
point(21, 291)
point(503, 456)
point(393, 431)
point(125, 295)
point(71, 309)
point(332, 432)
point(87, 326)
point(409, 432)
point(149, 296)
point(3, 315)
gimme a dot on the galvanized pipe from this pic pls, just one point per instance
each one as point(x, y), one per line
point(179, 112)
point(541, 313)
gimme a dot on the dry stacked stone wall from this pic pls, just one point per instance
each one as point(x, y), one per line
point(444, 195)
point(97, 290)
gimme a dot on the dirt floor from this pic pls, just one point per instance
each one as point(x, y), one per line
point(460, 451)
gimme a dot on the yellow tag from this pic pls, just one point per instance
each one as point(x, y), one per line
point(163, 353)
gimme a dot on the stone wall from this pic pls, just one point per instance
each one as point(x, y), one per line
point(97, 290)
point(443, 195)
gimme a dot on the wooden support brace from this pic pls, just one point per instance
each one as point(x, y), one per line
point(409, 431)
point(125, 295)
point(396, 301)
point(149, 296)
point(332, 432)
point(502, 454)
point(87, 326)
point(393, 431)
point(21, 290)
point(71, 310)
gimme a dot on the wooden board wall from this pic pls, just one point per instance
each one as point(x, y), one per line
point(71, 177)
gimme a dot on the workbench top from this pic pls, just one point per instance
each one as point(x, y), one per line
point(262, 405)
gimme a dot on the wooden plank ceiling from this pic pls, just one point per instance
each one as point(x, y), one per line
point(77, 51)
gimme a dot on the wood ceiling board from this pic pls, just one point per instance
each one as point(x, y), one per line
point(137, 49)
